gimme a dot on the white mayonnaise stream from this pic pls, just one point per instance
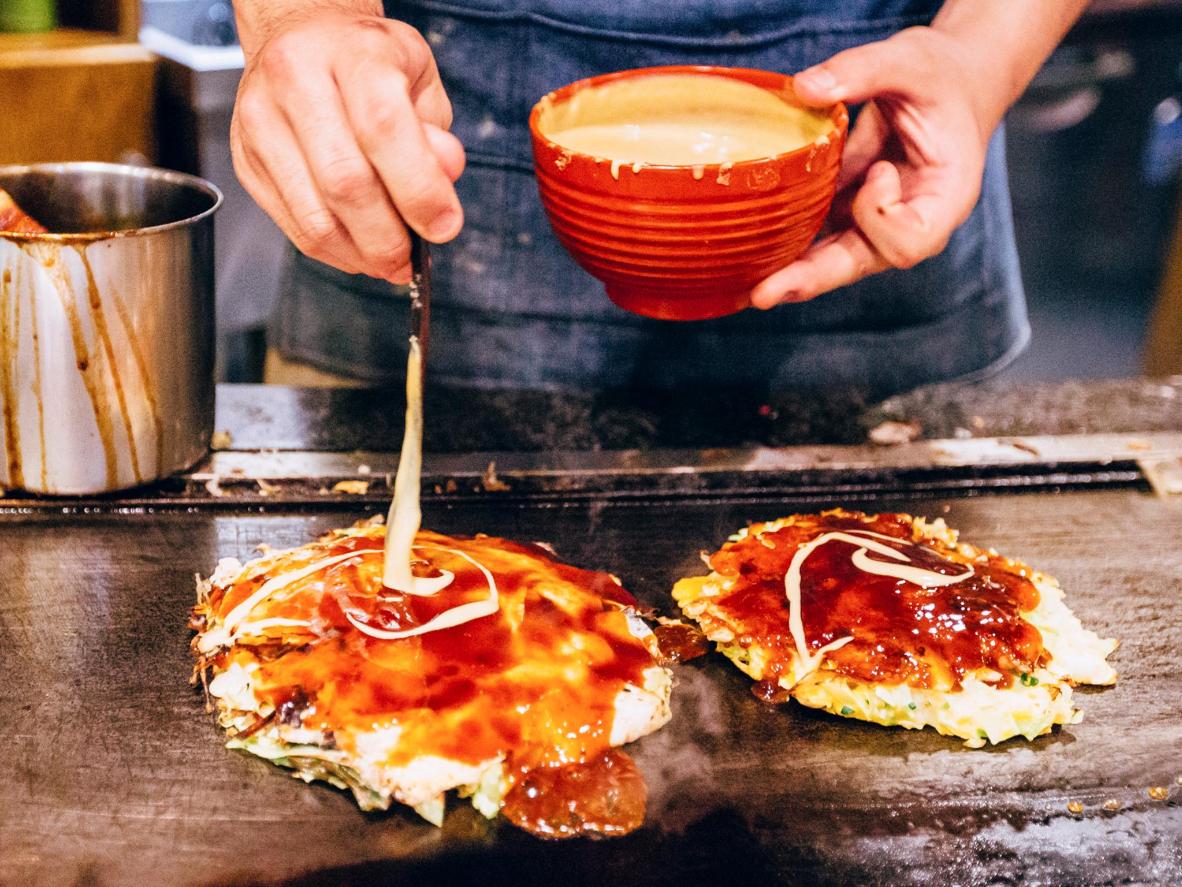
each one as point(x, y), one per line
point(865, 540)
point(232, 626)
point(398, 554)
point(405, 514)
point(448, 618)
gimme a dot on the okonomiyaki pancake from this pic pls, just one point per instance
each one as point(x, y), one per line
point(509, 676)
point(889, 618)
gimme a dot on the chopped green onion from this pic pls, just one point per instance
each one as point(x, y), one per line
point(1028, 680)
point(846, 710)
point(911, 705)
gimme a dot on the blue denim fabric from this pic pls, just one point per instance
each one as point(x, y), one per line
point(512, 309)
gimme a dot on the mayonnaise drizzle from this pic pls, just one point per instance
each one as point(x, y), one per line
point(864, 540)
point(227, 633)
point(236, 625)
point(448, 618)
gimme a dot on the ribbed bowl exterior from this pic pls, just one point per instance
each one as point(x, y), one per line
point(680, 242)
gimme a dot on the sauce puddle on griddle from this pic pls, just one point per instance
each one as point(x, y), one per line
point(604, 796)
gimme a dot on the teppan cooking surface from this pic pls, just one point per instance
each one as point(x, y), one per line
point(113, 773)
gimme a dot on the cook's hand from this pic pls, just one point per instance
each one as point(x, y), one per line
point(340, 134)
point(912, 167)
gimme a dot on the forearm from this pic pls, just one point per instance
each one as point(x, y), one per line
point(257, 19)
point(1005, 44)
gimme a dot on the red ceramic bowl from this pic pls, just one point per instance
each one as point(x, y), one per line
point(682, 242)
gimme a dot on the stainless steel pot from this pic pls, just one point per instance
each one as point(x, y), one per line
point(106, 327)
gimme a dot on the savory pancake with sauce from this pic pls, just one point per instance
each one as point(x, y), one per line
point(888, 618)
point(507, 675)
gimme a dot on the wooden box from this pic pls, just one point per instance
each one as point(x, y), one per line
point(85, 91)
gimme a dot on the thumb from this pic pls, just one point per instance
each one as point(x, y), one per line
point(857, 75)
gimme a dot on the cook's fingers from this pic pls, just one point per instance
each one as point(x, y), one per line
point(866, 142)
point(413, 55)
point(838, 260)
point(294, 205)
point(884, 67)
point(290, 215)
point(448, 150)
point(903, 231)
point(391, 134)
point(350, 186)
point(277, 210)
point(432, 104)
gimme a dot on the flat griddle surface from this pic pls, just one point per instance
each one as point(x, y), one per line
point(113, 773)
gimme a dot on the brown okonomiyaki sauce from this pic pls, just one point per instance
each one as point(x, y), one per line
point(902, 633)
point(604, 796)
point(536, 682)
point(680, 642)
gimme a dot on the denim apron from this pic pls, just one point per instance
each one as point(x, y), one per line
point(512, 309)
